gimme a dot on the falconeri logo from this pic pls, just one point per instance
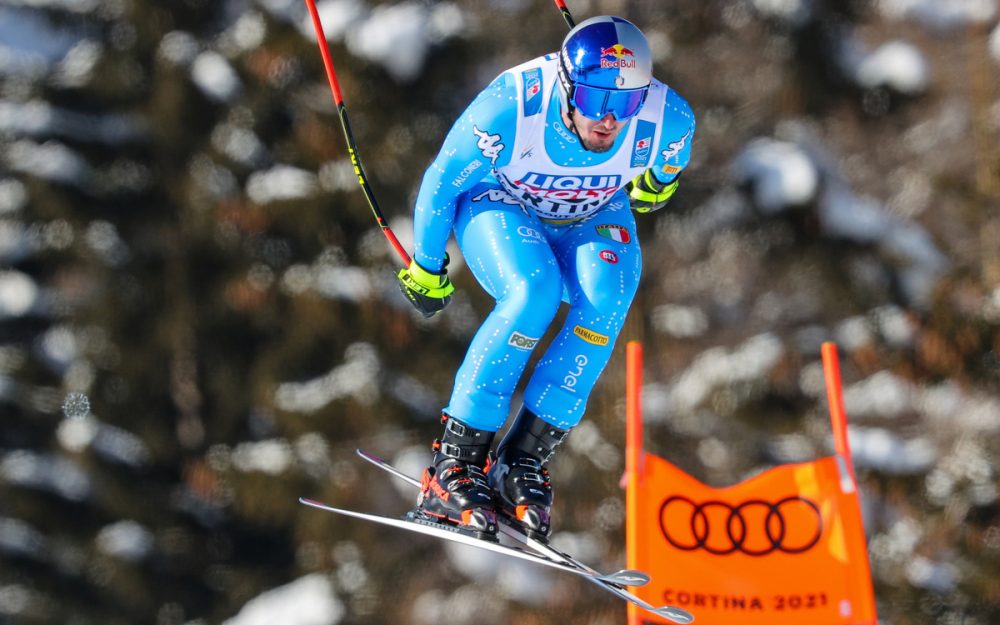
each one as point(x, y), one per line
point(594, 338)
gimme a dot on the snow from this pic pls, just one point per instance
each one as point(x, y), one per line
point(50, 160)
point(239, 144)
point(18, 294)
point(465, 605)
point(126, 540)
point(680, 321)
point(14, 599)
point(247, 33)
point(398, 37)
point(215, 77)
point(74, 6)
point(102, 238)
point(13, 196)
point(77, 67)
point(792, 12)
point(45, 472)
point(309, 600)
point(994, 44)
point(281, 183)
point(58, 348)
point(178, 48)
point(272, 457)
point(883, 395)
point(940, 14)
point(939, 577)
point(897, 65)
point(780, 174)
point(20, 538)
point(716, 366)
point(881, 450)
point(347, 283)
point(357, 377)
point(403, 53)
point(487, 567)
point(337, 17)
point(29, 44)
point(111, 443)
point(39, 119)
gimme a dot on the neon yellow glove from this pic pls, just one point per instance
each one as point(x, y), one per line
point(648, 194)
point(428, 292)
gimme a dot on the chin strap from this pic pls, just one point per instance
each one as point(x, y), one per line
point(572, 125)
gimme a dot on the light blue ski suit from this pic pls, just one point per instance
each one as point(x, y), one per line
point(541, 220)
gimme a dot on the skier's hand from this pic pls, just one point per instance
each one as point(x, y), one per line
point(428, 292)
point(648, 194)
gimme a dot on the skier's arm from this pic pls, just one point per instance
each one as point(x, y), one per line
point(480, 140)
point(652, 189)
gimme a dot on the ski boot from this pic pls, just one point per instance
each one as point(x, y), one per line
point(454, 490)
point(519, 478)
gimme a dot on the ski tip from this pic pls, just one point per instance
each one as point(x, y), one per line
point(628, 577)
point(677, 615)
point(368, 456)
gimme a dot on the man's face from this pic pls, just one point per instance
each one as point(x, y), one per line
point(600, 135)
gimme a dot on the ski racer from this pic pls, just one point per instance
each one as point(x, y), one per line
point(538, 179)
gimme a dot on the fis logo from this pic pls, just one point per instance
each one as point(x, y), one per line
point(531, 81)
point(621, 57)
point(642, 149)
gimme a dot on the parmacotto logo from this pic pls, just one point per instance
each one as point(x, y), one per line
point(594, 338)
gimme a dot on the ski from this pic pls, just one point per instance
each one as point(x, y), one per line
point(625, 577)
point(421, 525)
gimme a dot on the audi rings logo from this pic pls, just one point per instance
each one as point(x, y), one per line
point(755, 527)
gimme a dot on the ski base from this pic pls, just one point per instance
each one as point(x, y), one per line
point(614, 583)
point(422, 525)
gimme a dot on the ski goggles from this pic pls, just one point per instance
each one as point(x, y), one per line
point(595, 103)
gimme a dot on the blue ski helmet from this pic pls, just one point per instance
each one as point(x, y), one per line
point(605, 66)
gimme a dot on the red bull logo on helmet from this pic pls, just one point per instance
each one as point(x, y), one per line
point(621, 57)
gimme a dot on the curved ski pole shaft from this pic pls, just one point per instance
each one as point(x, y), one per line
point(338, 101)
point(565, 13)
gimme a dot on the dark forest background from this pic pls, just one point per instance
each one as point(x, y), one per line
point(199, 323)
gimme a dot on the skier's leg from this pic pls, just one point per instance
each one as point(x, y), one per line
point(510, 257)
point(600, 261)
point(508, 253)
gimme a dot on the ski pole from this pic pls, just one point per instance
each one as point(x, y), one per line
point(338, 101)
point(565, 13)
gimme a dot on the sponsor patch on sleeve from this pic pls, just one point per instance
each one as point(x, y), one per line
point(614, 232)
point(642, 149)
point(594, 338)
point(521, 341)
point(531, 81)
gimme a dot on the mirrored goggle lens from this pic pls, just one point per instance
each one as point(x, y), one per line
point(596, 103)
